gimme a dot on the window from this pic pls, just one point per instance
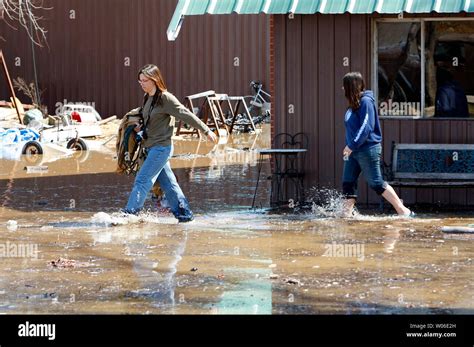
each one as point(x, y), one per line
point(424, 68)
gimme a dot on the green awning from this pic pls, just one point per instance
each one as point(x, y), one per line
point(201, 7)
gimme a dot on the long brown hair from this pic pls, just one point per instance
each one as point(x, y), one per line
point(354, 85)
point(153, 72)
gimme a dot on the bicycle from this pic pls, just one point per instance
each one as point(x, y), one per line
point(258, 106)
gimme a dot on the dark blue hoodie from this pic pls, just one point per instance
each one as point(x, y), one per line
point(362, 125)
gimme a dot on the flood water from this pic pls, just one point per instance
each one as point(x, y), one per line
point(231, 259)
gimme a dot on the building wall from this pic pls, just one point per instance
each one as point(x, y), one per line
point(309, 57)
point(86, 60)
point(94, 57)
point(309, 67)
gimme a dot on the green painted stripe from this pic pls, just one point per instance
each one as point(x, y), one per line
point(469, 7)
point(174, 23)
point(452, 6)
point(224, 7)
point(393, 6)
point(197, 7)
point(364, 7)
point(200, 7)
point(308, 6)
point(335, 6)
point(422, 6)
point(280, 6)
point(251, 6)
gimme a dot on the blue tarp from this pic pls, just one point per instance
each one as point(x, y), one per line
point(13, 140)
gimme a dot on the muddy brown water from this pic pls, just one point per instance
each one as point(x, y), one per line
point(229, 260)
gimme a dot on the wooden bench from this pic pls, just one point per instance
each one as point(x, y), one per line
point(431, 166)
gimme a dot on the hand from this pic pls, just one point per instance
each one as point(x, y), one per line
point(138, 128)
point(346, 152)
point(212, 137)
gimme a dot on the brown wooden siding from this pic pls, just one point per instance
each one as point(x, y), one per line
point(309, 69)
point(309, 52)
point(85, 58)
point(85, 62)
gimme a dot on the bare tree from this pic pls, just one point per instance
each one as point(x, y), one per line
point(26, 13)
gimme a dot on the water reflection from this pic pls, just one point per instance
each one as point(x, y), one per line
point(230, 260)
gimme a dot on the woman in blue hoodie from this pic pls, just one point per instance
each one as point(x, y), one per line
point(363, 146)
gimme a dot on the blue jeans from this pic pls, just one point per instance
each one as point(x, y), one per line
point(157, 166)
point(368, 162)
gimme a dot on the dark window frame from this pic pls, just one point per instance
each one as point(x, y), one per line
point(374, 59)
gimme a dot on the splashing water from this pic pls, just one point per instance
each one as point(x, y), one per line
point(117, 218)
point(327, 203)
point(114, 218)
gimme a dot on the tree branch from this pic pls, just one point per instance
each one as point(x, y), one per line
point(25, 12)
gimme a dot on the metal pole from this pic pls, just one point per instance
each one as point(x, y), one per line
point(12, 91)
point(34, 69)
